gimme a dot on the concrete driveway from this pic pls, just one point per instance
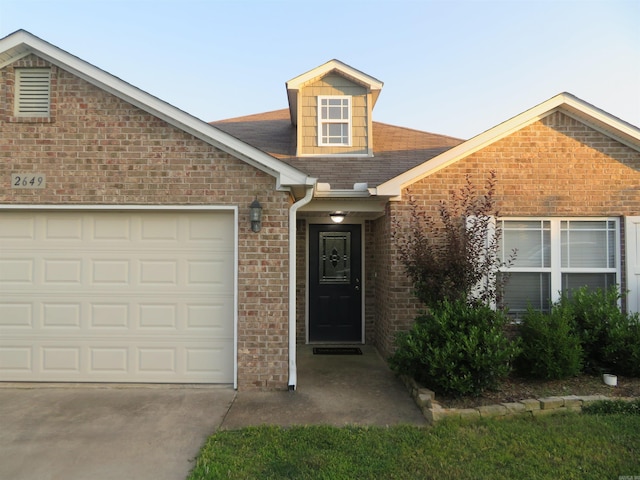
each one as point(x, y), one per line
point(102, 433)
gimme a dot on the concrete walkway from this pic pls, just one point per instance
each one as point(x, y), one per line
point(332, 390)
point(103, 432)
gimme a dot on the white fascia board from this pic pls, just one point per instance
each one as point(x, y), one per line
point(361, 205)
point(342, 193)
point(284, 174)
point(602, 121)
point(569, 104)
point(299, 81)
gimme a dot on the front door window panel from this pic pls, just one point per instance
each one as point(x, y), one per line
point(335, 262)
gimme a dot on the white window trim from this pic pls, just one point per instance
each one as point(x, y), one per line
point(556, 270)
point(42, 99)
point(322, 121)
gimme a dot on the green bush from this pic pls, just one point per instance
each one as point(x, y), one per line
point(587, 321)
point(457, 349)
point(613, 407)
point(596, 313)
point(622, 348)
point(550, 347)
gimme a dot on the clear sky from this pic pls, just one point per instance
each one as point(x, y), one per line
point(451, 67)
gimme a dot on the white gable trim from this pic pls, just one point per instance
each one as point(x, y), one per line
point(373, 85)
point(572, 106)
point(356, 75)
point(22, 43)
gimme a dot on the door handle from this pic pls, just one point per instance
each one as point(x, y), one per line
point(357, 285)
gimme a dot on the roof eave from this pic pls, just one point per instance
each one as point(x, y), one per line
point(22, 43)
point(598, 119)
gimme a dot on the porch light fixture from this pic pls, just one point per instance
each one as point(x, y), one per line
point(337, 217)
point(255, 215)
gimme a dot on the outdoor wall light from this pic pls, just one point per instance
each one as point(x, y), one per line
point(255, 215)
point(337, 217)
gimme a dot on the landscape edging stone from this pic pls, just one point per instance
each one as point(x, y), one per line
point(433, 411)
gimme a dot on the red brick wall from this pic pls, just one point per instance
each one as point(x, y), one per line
point(301, 281)
point(554, 167)
point(97, 149)
point(395, 306)
point(369, 276)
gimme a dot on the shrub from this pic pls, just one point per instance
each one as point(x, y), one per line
point(613, 407)
point(596, 313)
point(622, 349)
point(587, 321)
point(550, 347)
point(456, 349)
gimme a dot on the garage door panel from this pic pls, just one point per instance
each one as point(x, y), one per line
point(67, 271)
point(63, 227)
point(109, 361)
point(115, 271)
point(110, 271)
point(61, 360)
point(15, 272)
point(109, 316)
point(14, 226)
point(62, 315)
point(163, 362)
point(158, 272)
point(15, 315)
point(123, 297)
point(16, 360)
point(114, 228)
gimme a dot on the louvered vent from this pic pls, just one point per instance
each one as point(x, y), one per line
point(32, 92)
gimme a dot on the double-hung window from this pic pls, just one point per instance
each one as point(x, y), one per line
point(334, 121)
point(555, 256)
point(33, 91)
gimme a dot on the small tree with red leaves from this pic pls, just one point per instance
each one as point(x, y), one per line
point(457, 254)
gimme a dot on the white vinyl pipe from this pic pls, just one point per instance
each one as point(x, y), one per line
point(293, 216)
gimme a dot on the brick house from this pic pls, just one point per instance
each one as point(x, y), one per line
point(128, 251)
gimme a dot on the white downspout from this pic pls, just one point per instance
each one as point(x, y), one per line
point(293, 374)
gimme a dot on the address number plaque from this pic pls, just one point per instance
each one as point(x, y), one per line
point(28, 180)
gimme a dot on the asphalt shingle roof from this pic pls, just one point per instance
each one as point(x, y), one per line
point(396, 149)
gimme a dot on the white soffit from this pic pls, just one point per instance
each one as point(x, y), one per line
point(572, 106)
point(21, 43)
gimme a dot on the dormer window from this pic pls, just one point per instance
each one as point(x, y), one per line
point(334, 121)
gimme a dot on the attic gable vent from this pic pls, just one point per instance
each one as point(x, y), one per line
point(33, 92)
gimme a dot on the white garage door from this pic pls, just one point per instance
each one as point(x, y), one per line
point(117, 296)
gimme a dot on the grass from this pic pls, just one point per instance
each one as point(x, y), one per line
point(563, 446)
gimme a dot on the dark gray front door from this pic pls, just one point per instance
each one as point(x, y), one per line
point(335, 283)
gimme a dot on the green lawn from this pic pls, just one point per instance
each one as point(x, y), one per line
point(563, 446)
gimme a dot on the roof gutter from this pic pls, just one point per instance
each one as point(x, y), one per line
point(293, 215)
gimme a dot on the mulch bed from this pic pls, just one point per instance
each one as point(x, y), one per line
point(515, 389)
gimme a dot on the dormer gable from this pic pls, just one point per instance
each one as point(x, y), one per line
point(331, 106)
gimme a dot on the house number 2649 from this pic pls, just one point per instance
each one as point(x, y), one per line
point(28, 180)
